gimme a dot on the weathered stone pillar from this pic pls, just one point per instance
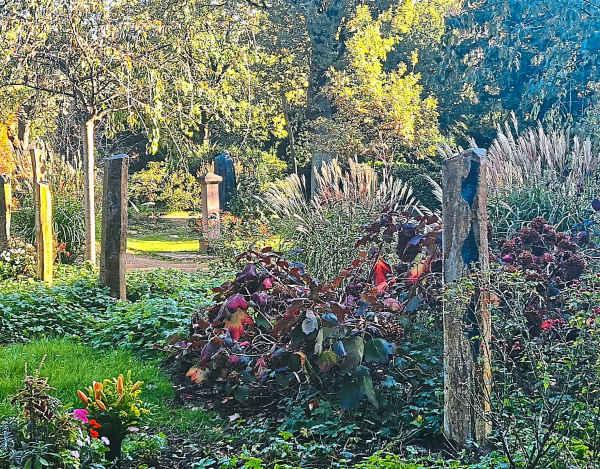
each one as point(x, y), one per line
point(210, 209)
point(43, 215)
point(467, 327)
point(114, 226)
point(5, 207)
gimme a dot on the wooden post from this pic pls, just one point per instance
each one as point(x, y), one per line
point(467, 330)
point(114, 226)
point(5, 207)
point(43, 215)
point(209, 184)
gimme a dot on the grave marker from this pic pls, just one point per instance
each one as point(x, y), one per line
point(228, 187)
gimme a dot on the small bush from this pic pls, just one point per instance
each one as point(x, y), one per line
point(170, 190)
point(18, 261)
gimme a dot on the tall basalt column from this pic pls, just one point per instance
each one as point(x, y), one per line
point(467, 325)
point(5, 208)
point(114, 226)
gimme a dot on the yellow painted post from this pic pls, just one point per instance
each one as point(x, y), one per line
point(45, 239)
point(43, 216)
point(5, 207)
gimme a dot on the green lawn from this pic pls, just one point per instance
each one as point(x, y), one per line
point(161, 243)
point(71, 366)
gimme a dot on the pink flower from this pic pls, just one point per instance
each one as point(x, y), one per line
point(105, 441)
point(75, 454)
point(133, 429)
point(81, 414)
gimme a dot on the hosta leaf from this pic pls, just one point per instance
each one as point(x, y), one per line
point(241, 393)
point(319, 342)
point(355, 347)
point(236, 323)
point(310, 323)
point(327, 360)
point(378, 350)
point(366, 389)
point(348, 395)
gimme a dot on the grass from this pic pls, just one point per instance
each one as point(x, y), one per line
point(71, 366)
point(161, 243)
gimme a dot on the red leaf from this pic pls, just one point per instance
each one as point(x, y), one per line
point(284, 324)
point(340, 311)
point(236, 323)
point(380, 271)
point(202, 324)
point(417, 272)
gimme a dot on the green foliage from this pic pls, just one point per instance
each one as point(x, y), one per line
point(494, 63)
point(255, 171)
point(144, 447)
point(379, 114)
point(81, 309)
point(138, 326)
point(170, 190)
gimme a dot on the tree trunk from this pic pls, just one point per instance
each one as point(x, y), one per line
point(24, 127)
point(88, 191)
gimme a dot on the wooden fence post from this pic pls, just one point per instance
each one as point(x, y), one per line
point(209, 184)
point(467, 329)
point(5, 207)
point(43, 215)
point(114, 226)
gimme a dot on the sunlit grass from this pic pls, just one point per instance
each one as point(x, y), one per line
point(161, 243)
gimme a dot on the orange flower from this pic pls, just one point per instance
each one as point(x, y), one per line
point(94, 434)
point(136, 386)
point(120, 384)
point(98, 386)
point(82, 396)
point(95, 425)
point(100, 404)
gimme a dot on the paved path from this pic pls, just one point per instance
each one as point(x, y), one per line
point(135, 262)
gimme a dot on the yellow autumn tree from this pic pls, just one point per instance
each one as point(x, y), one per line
point(380, 113)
